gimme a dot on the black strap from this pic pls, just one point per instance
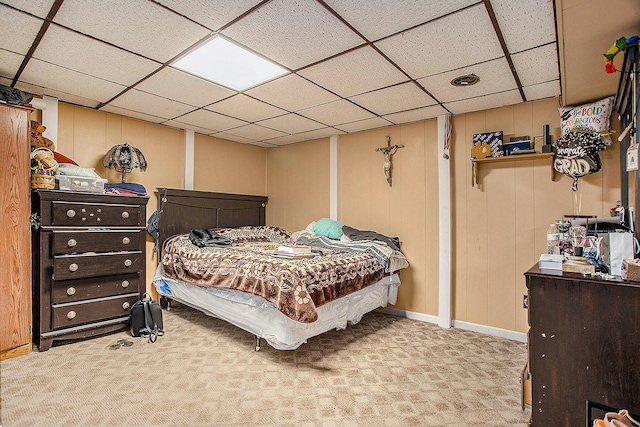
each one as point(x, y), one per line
point(151, 326)
point(148, 322)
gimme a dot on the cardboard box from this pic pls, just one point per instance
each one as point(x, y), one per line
point(631, 270)
point(526, 387)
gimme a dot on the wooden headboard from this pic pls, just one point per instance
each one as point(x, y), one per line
point(183, 210)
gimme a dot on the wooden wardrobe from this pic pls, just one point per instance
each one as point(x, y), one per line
point(15, 250)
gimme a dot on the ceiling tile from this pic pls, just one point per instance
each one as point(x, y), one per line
point(360, 125)
point(62, 96)
point(40, 8)
point(182, 125)
point(246, 108)
point(401, 97)
point(527, 65)
point(263, 144)
point(184, 87)
point(209, 120)
point(17, 30)
point(235, 138)
point(285, 140)
point(320, 133)
point(484, 102)
point(525, 26)
point(133, 25)
point(291, 123)
point(42, 73)
point(417, 114)
point(9, 63)
point(211, 14)
point(495, 76)
point(375, 19)
point(133, 114)
point(293, 33)
point(89, 56)
point(136, 100)
point(454, 41)
point(292, 93)
point(343, 74)
point(255, 132)
point(542, 90)
point(336, 113)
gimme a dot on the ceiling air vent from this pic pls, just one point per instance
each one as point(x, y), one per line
point(466, 80)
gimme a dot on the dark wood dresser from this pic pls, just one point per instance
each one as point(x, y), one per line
point(88, 261)
point(584, 346)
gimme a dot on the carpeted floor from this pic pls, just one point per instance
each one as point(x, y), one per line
point(385, 371)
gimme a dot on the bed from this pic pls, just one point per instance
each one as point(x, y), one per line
point(247, 282)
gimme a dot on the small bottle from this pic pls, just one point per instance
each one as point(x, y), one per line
point(553, 238)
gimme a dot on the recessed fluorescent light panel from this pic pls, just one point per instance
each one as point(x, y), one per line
point(226, 63)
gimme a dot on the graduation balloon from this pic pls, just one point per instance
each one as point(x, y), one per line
point(585, 132)
point(577, 154)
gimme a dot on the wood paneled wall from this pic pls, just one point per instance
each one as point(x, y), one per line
point(228, 167)
point(407, 209)
point(85, 135)
point(500, 227)
point(298, 184)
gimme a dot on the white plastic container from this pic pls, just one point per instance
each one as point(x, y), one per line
point(80, 184)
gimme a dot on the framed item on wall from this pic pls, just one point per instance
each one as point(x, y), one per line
point(493, 139)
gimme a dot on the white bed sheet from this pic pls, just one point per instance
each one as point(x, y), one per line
point(261, 318)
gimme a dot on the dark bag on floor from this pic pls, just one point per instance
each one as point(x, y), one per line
point(146, 319)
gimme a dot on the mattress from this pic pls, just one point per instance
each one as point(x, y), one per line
point(262, 319)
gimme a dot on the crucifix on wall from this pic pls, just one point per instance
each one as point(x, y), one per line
point(387, 152)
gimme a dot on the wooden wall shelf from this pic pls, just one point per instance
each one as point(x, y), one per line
point(475, 163)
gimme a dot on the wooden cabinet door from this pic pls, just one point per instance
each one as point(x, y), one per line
point(15, 250)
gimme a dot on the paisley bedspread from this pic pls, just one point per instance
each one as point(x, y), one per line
point(296, 287)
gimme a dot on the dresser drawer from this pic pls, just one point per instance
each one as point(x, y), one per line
point(77, 241)
point(96, 287)
point(72, 214)
point(67, 267)
point(65, 315)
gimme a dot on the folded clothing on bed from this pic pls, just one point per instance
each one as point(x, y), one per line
point(355, 234)
point(391, 259)
point(202, 237)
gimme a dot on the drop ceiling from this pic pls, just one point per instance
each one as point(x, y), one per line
point(352, 64)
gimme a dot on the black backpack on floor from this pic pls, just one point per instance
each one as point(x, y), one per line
point(146, 319)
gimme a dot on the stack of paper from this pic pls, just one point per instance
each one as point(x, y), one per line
point(550, 262)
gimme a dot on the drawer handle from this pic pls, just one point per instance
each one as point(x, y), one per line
point(126, 240)
point(127, 263)
point(73, 267)
point(71, 291)
point(125, 283)
point(125, 214)
point(72, 242)
point(71, 315)
point(126, 305)
point(71, 213)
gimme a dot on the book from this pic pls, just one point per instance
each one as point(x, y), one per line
point(294, 249)
point(285, 255)
point(550, 262)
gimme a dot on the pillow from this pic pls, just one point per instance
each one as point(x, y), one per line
point(329, 228)
point(593, 117)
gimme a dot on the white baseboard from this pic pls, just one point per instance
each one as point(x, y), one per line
point(411, 315)
point(487, 330)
